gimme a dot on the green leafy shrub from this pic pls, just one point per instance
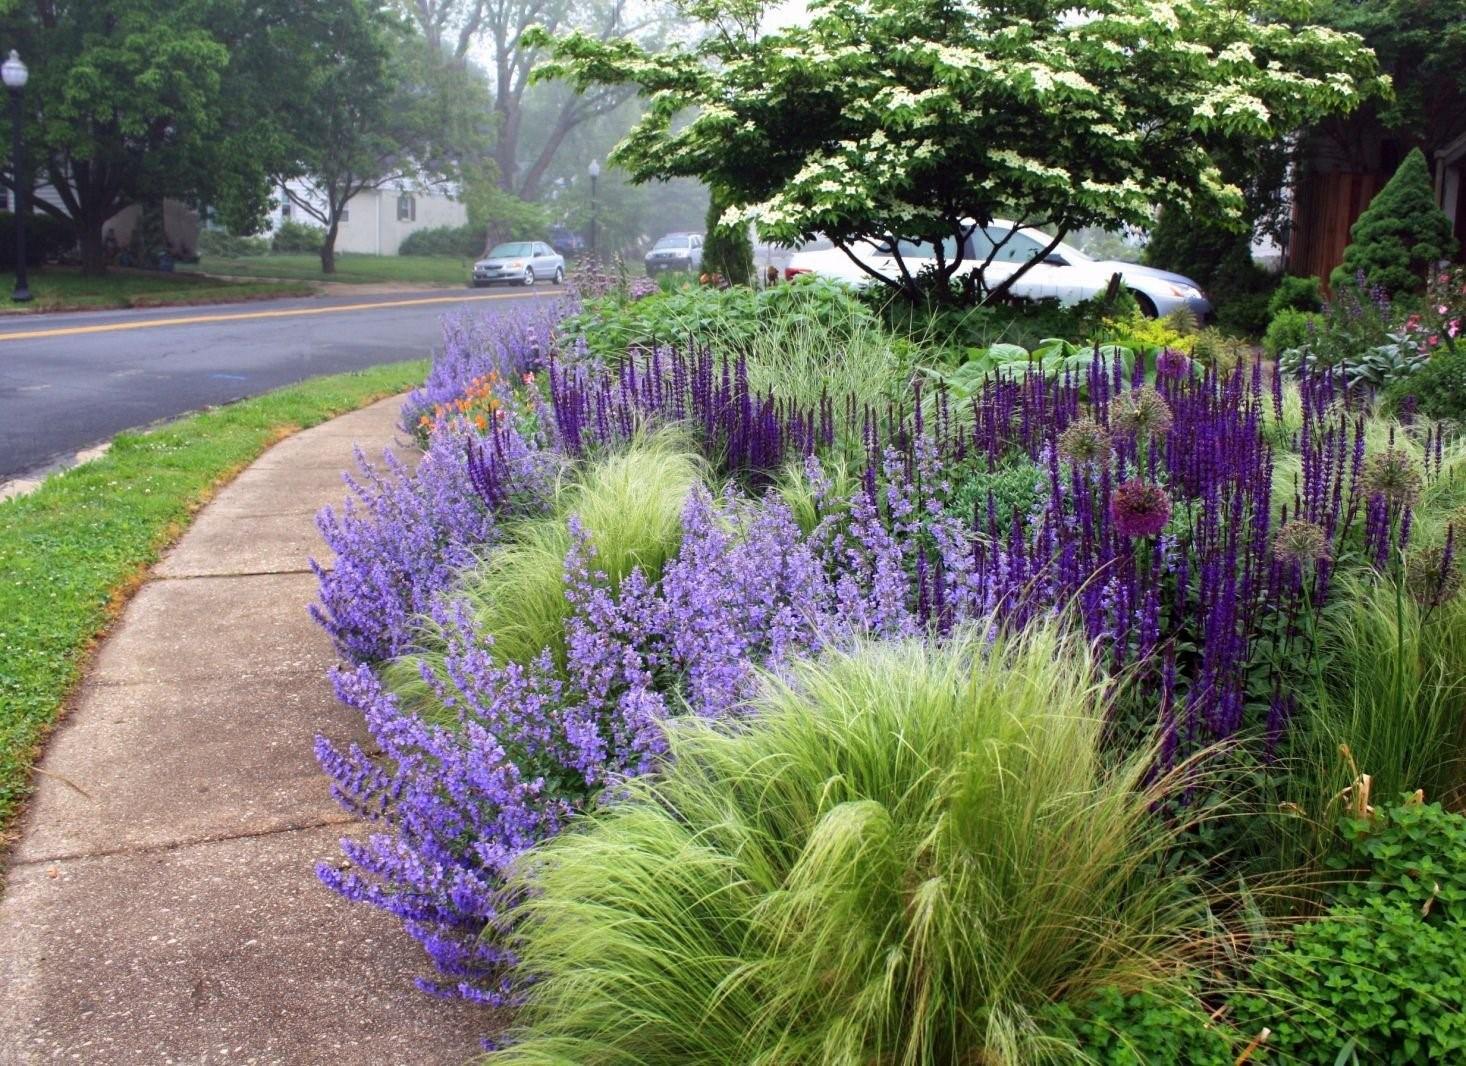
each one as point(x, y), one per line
point(297, 237)
point(1143, 1029)
point(466, 241)
point(46, 238)
point(1244, 313)
point(1290, 328)
point(904, 853)
point(1220, 261)
point(1014, 487)
point(1437, 389)
point(1400, 236)
point(226, 245)
point(1383, 971)
point(1296, 294)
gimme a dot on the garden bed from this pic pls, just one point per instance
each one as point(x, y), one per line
point(782, 688)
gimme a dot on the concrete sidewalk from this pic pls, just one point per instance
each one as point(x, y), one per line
point(162, 905)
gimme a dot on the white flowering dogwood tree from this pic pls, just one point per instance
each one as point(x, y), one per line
point(922, 119)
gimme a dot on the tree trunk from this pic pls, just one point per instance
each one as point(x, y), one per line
point(93, 250)
point(328, 248)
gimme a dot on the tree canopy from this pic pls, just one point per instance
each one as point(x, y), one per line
point(921, 119)
point(383, 108)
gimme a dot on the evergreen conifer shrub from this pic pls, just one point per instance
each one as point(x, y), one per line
point(1400, 235)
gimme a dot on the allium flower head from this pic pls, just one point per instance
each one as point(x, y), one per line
point(1140, 412)
point(1084, 441)
point(1394, 475)
point(1140, 508)
point(1172, 364)
point(1301, 541)
point(1432, 576)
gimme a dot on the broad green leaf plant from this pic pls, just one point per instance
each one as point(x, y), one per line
point(922, 119)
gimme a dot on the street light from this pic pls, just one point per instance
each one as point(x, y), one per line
point(595, 172)
point(15, 75)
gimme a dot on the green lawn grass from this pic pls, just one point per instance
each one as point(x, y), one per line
point(65, 289)
point(445, 270)
point(72, 551)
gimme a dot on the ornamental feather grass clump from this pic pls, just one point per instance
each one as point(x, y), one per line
point(628, 502)
point(901, 856)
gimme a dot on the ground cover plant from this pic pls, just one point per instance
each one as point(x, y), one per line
point(71, 551)
point(1256, 563)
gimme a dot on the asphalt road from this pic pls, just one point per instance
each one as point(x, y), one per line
point(70, 381)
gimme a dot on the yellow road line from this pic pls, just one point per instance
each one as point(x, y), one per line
point(193, 320)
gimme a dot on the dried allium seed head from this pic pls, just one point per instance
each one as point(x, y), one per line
point(1140, 508)
point(1394, 475)
point(1431, 576)
point(1084, 441)
point(1301, 541)
point(1140, 412)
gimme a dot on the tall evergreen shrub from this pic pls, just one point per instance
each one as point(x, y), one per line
point(1401, 234)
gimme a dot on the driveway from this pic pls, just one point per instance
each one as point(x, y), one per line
point(71, 381)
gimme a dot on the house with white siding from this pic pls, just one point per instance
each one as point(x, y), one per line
point(375, 221)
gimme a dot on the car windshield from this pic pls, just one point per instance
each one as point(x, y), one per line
point(668, 244)
point(507, 251)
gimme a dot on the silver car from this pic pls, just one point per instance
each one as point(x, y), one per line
point(1066, 274)
point(675, 251)
point(519, 263)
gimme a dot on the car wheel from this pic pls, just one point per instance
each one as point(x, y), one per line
point(1147, 305)
point(528, 277)
point(559, 275)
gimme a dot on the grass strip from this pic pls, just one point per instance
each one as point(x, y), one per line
point(73, 551)
point(64, 289)
point(352, 269)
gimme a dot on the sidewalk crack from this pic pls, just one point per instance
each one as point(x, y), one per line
point(177, 845)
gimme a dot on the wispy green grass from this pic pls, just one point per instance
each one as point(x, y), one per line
point(72, 551)
point(64, 289)
point(353, 269)
point(629, 503)
point(902, 856)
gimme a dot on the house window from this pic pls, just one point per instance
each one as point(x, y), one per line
point(406, 208)
point(345, 215)
point(286, 207)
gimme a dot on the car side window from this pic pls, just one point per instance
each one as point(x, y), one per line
point(1016, 247)
point(540, 250)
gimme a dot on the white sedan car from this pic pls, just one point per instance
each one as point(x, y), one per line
point(1066, 275)
point(519, 263)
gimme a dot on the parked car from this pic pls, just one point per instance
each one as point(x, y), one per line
point(675, 251)
point(519, 263)
point(565, 240)
point(1066, 274)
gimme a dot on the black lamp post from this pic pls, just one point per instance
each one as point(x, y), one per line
point(13, 72)
point(595, 172)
